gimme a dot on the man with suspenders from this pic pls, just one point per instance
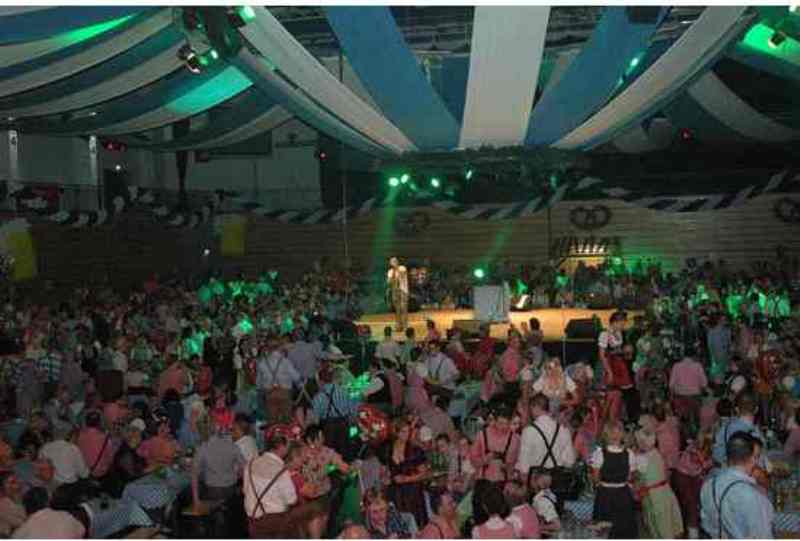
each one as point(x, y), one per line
point(546, 444)
point(269, 492)
point(732, 506)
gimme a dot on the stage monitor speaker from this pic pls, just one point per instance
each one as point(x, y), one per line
point(581, 328)
point(471, 326)
point(642, 14)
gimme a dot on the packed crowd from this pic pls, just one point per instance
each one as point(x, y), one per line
point(262, 406)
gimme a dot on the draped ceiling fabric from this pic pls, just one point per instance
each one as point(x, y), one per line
point(691, 54)
point(38, 24)
point(298, 65)
point(391, 73)
point(591, 77)
point(115, 71)
point(507, 49)
point(137, 67)
point(86, 58)
point(721, 102)
point(283, 93)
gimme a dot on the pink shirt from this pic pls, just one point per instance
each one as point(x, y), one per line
point(525, 522)
point(158, 451)
point(669, 441)
point(92, 442)
point(416, 396)
point(497, 445)
point(687, 378)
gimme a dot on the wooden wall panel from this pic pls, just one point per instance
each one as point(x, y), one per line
point(135, 245)
point(738, 235)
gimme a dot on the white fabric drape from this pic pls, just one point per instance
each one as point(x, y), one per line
point(691, 53)
point(506, 54)
point(143, 74)
point(721, 102)
point(19, 10)
point(88, 58)
point(267, 121)
point(30, 50)
point(274, 42)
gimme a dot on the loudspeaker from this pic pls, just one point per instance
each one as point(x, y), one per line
point(642, 14)
point(471, 326)
point(581, 328)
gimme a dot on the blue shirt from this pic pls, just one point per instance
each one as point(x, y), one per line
point(737, 424)
point(746, 512)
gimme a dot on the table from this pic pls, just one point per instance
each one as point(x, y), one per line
point(115, 517)
point(157, 490)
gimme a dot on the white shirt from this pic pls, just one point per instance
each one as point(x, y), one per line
point(50, 524)
point(247, 445)
point(533, 449)
point(609, 340)
point(636, 463)
point(119, 361)
point(281, 494)
point(67, 460)
point(544, 504)
point(400, 274)
point(388, 349)
point(276, 369)
point(442, 368)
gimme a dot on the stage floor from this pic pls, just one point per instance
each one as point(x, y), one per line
point(553, 320)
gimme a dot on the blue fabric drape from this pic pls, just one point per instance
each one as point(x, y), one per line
point(454, 76)
point(137, 103)
point(389, 71)
point(30, 26)
point(281, 92)
point(97, 74)
point(592, 77)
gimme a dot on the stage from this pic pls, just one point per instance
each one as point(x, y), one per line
point(553, 320)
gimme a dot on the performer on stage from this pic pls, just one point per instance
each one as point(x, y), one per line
point(397, 278)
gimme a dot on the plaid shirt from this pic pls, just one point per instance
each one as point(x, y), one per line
point(332, 402)
point(50, 366)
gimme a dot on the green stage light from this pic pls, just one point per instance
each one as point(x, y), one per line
point(247, 13)
point(479, 273)
point(469, 174)
point(794, 8)
point(616, 261)
point(405, 178)
point(436, 183)
point(634, 62)
point(394, 182)
point(203, 61)
point(214, 54)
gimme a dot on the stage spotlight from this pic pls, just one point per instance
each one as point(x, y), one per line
point(118, 168)
point(394, 182)
point(777, 38)
point(321, 155)
point(469, 174)
point(405, 178)
point(214, 54)
point(436, 183)
point(479, 273)
point(190, 58)
point(634, 62)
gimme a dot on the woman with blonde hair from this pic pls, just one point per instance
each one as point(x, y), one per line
point(556, 385)
point(660, 509)
point(612, 467)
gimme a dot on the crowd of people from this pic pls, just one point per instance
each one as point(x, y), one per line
point(267, 397)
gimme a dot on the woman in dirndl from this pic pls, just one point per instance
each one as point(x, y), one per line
point(612, 467)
